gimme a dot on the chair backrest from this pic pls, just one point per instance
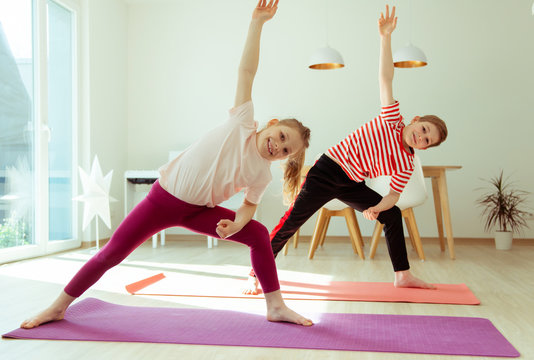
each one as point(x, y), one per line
point(414, 194)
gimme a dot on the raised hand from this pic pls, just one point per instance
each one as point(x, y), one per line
point(265, 11)
point(387, 24)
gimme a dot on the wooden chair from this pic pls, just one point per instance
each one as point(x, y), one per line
point(332, 208)
point(336, 208)
point(414, 194)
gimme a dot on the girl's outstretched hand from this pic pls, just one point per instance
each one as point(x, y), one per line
point(265, 11)
point(387, 24)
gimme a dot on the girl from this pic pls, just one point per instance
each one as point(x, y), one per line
point(229, 158)
point(383, 146)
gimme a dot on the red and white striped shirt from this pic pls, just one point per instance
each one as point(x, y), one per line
point(375, 149)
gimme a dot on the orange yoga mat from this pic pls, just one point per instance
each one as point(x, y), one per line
point(183, 285)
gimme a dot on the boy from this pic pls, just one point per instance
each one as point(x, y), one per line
point(383, 146)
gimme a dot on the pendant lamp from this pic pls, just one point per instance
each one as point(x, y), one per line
point(326, 58)
point(409, 56)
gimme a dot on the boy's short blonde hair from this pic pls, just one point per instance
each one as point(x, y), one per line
point(440, 124)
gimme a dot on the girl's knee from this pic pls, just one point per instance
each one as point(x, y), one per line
point(258, 229)
point(257, 235)
point(109, 259)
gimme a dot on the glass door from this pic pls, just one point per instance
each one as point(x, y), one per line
point(17, 136)
point(61, 112)
point(37, 128)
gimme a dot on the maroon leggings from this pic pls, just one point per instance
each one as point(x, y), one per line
point(161, 210)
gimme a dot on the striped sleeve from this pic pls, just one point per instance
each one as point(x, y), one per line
point(391, 113)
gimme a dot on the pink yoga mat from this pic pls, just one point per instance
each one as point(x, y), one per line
point(181, 285)
point(95, 320)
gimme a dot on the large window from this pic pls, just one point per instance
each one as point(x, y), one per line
point(60, 115)
point(37, 127)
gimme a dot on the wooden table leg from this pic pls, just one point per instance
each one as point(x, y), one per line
point(439, 216)
point(444, 199)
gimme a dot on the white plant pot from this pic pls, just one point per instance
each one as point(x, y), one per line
point(503, 240)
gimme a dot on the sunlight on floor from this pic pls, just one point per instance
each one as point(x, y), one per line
point(194, 285)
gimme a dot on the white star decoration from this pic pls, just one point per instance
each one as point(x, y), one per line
point(95, 194)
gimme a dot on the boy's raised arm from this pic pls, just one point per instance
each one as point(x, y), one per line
point(251, 53)
point(386, 25)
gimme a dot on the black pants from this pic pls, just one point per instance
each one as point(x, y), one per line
point(325, 181)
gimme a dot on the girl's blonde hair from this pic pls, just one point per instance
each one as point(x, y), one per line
point(294, 163)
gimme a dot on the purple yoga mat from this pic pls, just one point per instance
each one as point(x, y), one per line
point(95, 320)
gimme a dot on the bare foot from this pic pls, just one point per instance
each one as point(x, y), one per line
point(252, 286)
point(50, 314)
point(405, 279)
point(284, 313)
point(54, 312)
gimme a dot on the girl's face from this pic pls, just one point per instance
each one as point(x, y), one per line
point(277, 142)
point(420, 134)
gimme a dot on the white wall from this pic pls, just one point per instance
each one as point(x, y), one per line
point(178, 80)
point(106, 80)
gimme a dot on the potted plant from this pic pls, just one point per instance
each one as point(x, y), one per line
point(503, 209)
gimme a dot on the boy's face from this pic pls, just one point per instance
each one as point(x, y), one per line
point(420, 134)
point(277, 142)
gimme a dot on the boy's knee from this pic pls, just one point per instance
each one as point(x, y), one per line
point(393, 214)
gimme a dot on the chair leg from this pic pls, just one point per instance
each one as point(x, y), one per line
point(375, 239)
point(296, 239)
point(354, 231)
point(410, 234)
point(409, 217)
point(319, 225)
point(325, 228)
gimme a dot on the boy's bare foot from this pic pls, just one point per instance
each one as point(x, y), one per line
point(252, 286)
point(284, 313)
point(405, 279)
point(50, 314)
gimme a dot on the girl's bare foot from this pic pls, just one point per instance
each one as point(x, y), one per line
point(50, 314)
point(405, 279)
point(278, 311)
point(284, 313)
point(54, 312)
point(252, 286)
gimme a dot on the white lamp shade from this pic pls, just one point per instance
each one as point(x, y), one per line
point(326, 58)
point(409, 56)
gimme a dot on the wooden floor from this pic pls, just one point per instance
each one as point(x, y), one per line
point(502, 280)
